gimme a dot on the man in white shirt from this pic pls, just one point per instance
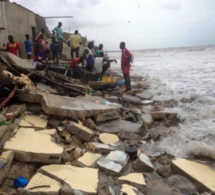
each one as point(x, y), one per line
point(101, 64)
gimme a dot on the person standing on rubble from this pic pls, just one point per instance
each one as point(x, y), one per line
point(88, 60)
point(126, 65)
point(36, 42)
point(75, 42)
point(59, 32)
point(12, 46)
point(54, 49)
point(28, 46)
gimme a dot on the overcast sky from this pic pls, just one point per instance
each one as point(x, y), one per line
point(142, 24)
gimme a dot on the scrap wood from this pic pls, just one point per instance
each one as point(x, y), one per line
point(12, 93)
point(56, 83)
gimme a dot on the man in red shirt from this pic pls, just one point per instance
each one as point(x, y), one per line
point(126, 65)
point(12, 46)
point(75, 69)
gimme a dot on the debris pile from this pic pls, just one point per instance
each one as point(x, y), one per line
point(66, 137)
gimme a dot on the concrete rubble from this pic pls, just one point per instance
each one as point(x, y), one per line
point(62, 135)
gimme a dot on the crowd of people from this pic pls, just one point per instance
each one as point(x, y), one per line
point(92, 59)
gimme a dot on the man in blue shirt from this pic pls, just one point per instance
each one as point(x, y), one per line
point(59, 32)
point(28, 46)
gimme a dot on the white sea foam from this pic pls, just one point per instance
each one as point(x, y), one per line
point(183, 73)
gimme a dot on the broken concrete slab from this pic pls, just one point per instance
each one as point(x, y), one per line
point(114, 99)
point(33, 121)
point(161, 115)
point(146, 95)
point(19, 62)
point(109, 165)
point(131, 190)
point(108, 138)
point(32, 96)
point(107, 116)
point(51, 186)
point(100, 148)
point(113, 162)
point(131, 99)
point(6, 159)
point(15, 109)
point(81, 131)
point(136, 178)
point(118, 156)
point(34, 147)
point(117, 126)
point(143, 163)
point(83, 179)
point(89, 159)
point(80, 107)
point(203, 174)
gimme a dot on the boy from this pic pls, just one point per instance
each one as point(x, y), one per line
point(12, 46)
point(28, 46)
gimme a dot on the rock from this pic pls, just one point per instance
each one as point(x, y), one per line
point(203, 174)
point(146, 95)
point(130, 190)
point(79, 130)
point(164, 171)
point(117, 126)
point(6, 159)
point(143, 163)
point(54, 122)
point(66, 135)
point(154, 134)
point(39, 180)
point(91, 123)
point(35, 147)
point(161, 115)
point(83, 179)
point(147, 102)
point(89, 159)
point(33, 121)
point(107, 116)
point(147, 120)
point(80, 107)
point(108, 138)
point(100, 148)
point(136, 178)
point(131, 99)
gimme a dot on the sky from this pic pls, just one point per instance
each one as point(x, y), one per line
point(142, 24)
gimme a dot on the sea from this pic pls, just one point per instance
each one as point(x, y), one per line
point(182, 73)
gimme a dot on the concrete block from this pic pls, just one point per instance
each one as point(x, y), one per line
point(83, 179)
point(201, 173)
point(107, 116)
point(136, 178)
point(6, 159)
point(30, 146)
point(108, 138)
point(79, 130)
point(143, 163)
point(117, 126)
point(40, 180)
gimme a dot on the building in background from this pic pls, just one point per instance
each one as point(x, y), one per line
point(19, 21)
